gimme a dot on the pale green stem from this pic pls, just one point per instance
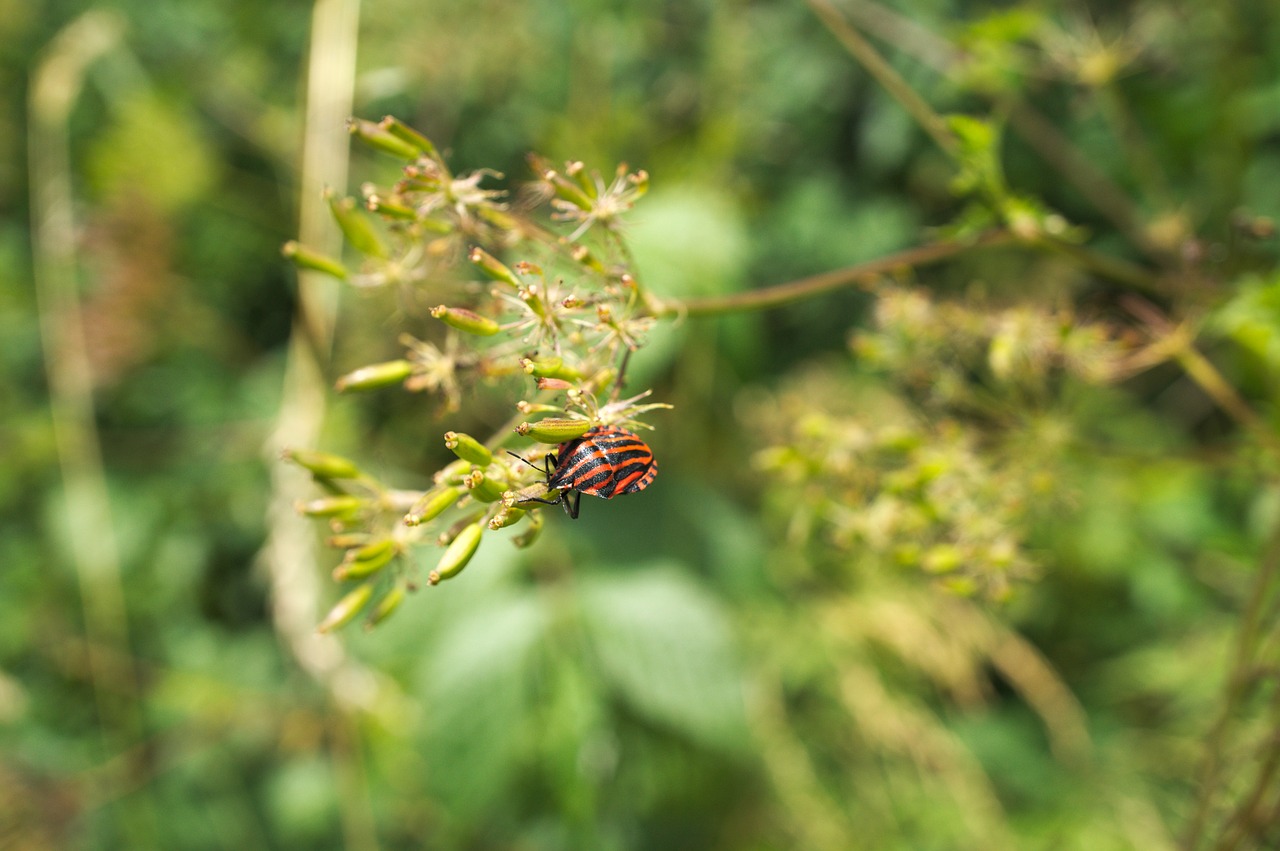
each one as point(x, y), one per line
point(885, 74)
point(861, 274)
point(1210, 779)
point(290, 554)
point(1178, 343)
point(1104, 266)
point(1053, 147)
point(85, 518)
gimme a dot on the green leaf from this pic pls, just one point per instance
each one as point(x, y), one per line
point(689, 241)
point(665, 646)
point(475, 690)
point(154, 150)
point(1252, 318)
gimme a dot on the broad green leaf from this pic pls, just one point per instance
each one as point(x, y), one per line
point(475, 699)
point(688, 241)
point(1252, 318)
point(665, 645)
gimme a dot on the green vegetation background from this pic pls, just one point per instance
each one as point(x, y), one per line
point(649, 677)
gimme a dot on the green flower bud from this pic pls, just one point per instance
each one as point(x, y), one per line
point(407, 134)
point(553, 429)
point(465, 320)
point(446, 537)
point(567, 190)
point(583, 255)
point(453, 473)
point(308, 258)
point(346, 608)
point(640, 182)
point(550, 368)
point(379, 139)
point(375, 375)
point(322, 464)
point(366, 561)
point(356, 226)
point(578, 171)
point(964, 586)
point(343, 505)
point(532, 296)
point(468, 448)
point(907, 555)
point(432, 504)
point(388, 604)
point(500, 219)
point(508, 516)
point(391, 209)
point(484, 488)
point(526, 407)
point(460, 551)
point(492, 267)
point(347, 540)
point(942, 558)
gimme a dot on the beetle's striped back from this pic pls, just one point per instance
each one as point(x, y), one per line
point(605, 462)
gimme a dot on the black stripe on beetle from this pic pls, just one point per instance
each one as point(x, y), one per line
point(605, 462)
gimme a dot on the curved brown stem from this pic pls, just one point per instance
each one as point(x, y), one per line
point(863, 274)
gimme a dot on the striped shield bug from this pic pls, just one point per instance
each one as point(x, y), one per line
point(605, 462)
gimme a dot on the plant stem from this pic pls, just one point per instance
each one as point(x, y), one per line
point(1223, 392)
point(1248, 815)
point(1093, 183)
point(1056, 150)
point(885, 74)
point(56, 84)
point(859, 274)
point(1112, 268)
point(289, 552)
point(1237, 688)
point(1178, 343)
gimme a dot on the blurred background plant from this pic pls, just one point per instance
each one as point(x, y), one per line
point(968, 543)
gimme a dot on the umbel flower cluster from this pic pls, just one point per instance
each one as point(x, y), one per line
point(560, 317)
point(937, 454)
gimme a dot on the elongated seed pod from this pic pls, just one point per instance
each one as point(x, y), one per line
point(458, 554)
point(346, 608)
point(468, 448)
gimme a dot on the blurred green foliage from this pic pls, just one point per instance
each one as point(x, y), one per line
point(733, 659)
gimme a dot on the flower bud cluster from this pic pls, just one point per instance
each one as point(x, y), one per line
point(952, 355)
point(511, 303)
point(922, 464)
point(879, 490)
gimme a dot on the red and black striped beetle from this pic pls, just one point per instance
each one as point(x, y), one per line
point(605, 462)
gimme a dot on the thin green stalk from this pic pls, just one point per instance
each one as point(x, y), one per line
point(290, 549)
point(1177, 343)
point(1094, 184)
point(1223, 392)
point(1111, 268)
point(1248, 815)
point(290, 552)
point(56, 85)
point(346, 750)
point(885, 74)
point(1046, 139)
point(861, 274)
point(1056, 150)
point(1209, 778)
point(817, 820)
